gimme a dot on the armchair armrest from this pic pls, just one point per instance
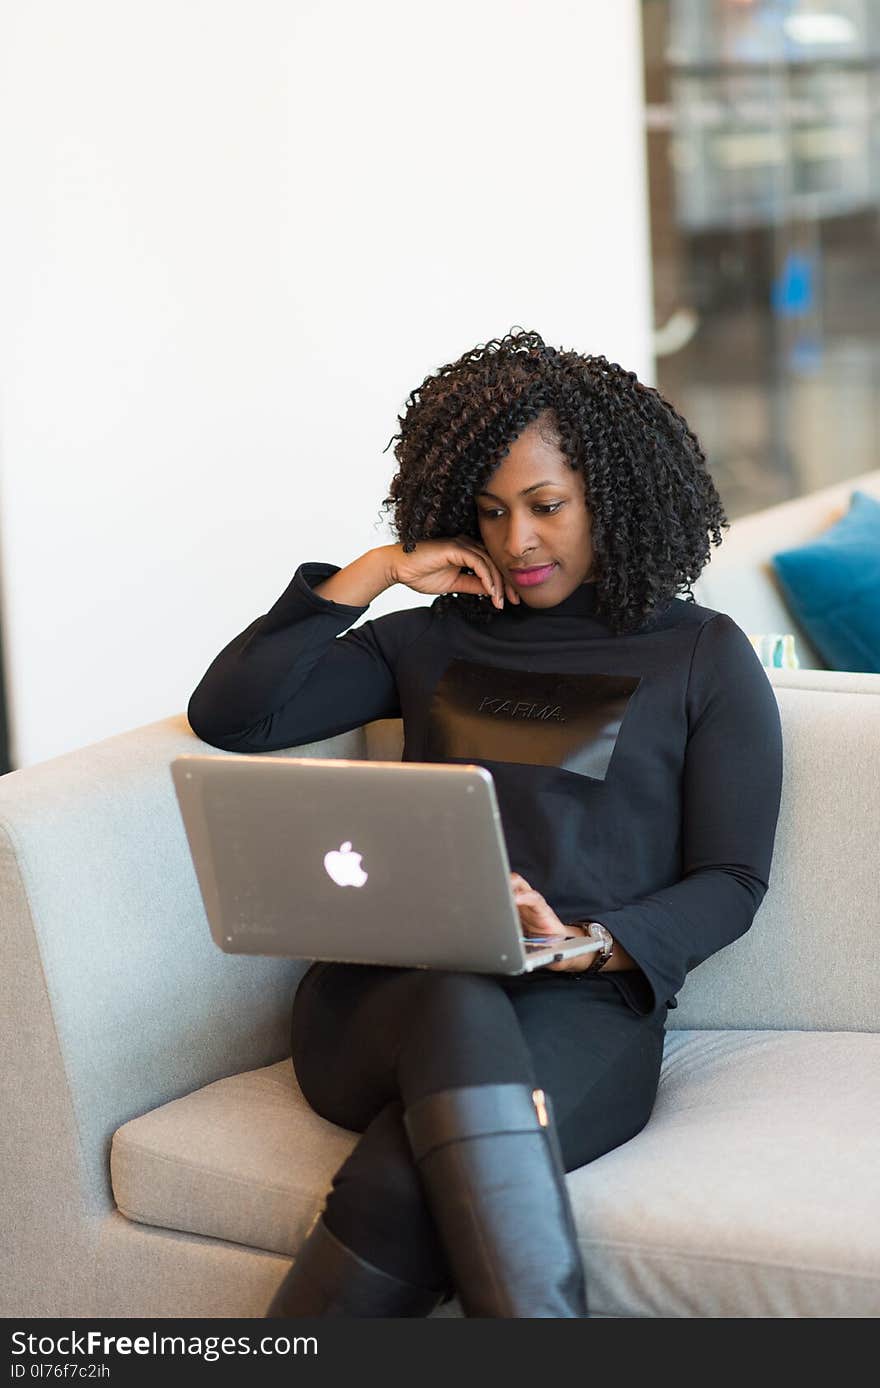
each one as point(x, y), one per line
point(114, 999)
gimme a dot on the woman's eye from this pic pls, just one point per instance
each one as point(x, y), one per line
point(550, 508)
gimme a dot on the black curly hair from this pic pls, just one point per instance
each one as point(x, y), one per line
point(652, 500)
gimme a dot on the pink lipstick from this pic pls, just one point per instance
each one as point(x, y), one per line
point(527, 578)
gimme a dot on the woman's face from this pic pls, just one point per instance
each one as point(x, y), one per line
point(524, 525)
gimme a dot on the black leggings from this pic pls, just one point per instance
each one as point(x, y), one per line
point(367, 1041)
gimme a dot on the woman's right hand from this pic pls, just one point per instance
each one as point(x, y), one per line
point(435, 566)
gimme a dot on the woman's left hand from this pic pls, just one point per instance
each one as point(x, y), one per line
point(538, 918)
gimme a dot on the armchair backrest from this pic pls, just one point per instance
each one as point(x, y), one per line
point(809, 961)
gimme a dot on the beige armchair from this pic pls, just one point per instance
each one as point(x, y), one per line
point(157, 1158)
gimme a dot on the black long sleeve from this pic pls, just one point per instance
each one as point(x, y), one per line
point(730, 794)
point(638, 777)
point(286, 680)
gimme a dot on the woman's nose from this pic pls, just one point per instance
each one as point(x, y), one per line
point(520, 539)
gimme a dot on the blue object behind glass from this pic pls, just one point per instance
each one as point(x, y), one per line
point(832, 585)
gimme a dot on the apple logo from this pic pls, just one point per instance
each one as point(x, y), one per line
point(344, 866)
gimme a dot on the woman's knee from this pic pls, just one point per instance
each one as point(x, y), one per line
point(463, 1031)
point(459, 999)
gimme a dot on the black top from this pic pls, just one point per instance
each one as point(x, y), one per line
point(638, 777)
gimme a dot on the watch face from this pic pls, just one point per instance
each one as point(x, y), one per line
point(598, 932)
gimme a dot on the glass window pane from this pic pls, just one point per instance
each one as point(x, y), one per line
point(763, 138)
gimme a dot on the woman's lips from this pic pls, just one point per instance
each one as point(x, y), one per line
point(527, 578)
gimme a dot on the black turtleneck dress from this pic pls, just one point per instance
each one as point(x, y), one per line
point(638, 777)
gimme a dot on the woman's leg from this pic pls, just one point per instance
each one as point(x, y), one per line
point(369, 1042)
point(366, 1041)
point(355, 1263)
point(490, 1153)
point(362, 1035)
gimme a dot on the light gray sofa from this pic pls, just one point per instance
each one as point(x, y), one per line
point(158, 1160)
point(740, 579)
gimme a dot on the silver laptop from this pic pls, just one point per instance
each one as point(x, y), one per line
point(368, 862)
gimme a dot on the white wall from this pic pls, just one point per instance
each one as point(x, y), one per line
point(233, 238)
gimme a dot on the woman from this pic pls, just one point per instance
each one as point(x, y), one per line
point(556, 507)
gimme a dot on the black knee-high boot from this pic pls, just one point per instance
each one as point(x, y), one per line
point(494, 1178)
point(329, 1279)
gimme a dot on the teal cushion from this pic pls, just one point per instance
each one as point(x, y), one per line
point(832, 586)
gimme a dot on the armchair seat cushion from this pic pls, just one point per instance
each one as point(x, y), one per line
point(244, 1159)
point(744, 1196)
point(753, 1189)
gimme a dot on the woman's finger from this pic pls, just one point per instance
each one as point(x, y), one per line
point(498, 578)
point(496, 589)
point(490, 571)
point(487, 578)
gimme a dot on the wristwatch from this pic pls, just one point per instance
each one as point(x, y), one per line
point(595, 931)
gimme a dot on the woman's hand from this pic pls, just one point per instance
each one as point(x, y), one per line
point(436, 566)
point(537, 918)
